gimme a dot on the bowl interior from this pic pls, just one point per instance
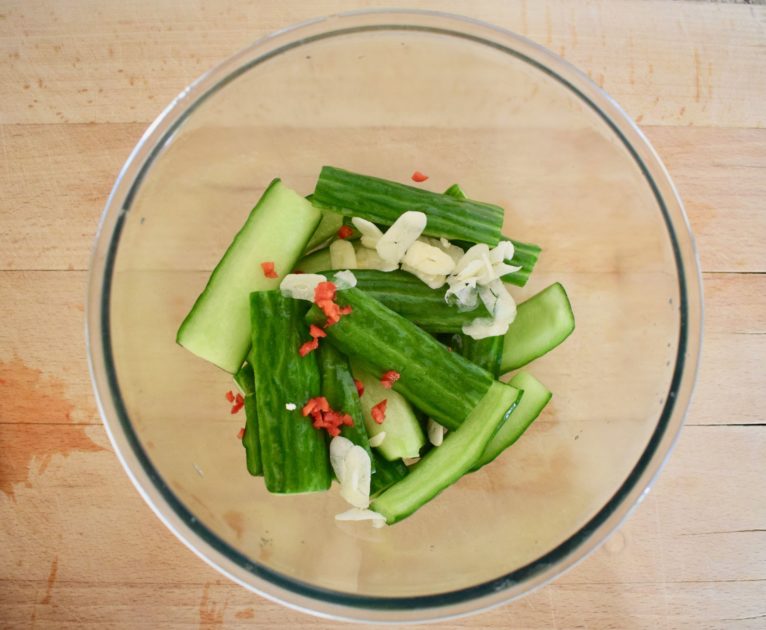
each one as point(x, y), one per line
point(388, 101)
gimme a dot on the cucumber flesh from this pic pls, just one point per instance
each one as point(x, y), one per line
point(532, 402)
point(217, 327)
point(315, 262)
point(542, 323)
point(444, 465)
point(294, 454)
point(404, 435)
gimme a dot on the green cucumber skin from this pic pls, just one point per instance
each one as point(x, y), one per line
point(404, 433)
point(536, 397)
point(339, 389)
point(486, 353)
point(525, 255)
point(444, 465)
point(217, 328)
point(542, 322)
point(408, 296)
point(382, 201)
point(295, 454)
point(440, 383)
point(456, 191)
point(386, 474)
point(251, 440)
point(245, 380)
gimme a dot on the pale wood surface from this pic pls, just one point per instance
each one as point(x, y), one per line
point(79, 81)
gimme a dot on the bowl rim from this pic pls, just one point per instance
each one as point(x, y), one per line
point(347, 606)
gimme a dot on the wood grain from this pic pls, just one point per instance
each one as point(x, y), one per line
point(79, 83)
point(674, 63)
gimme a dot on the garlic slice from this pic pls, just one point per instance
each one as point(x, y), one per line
point(369, 259)
point(370, 232)
point(377, 439)
point(401, 235)
point(433, 281)
point(300, 286)
point(435, 432)
point(352, 467)
point(344, 280)
point(342, 255)
point(428, 259)
point(356, 514)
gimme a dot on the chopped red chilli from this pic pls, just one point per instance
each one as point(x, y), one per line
point(345, 231)
point(378, 412)
point(308, 347)
point(230, 396)
point(324, 298)
point(389, 378)
point(241, 433)
point(324, 417)
point(417, 176)
point(359, 387)
point(316, 331)
point(268, 269)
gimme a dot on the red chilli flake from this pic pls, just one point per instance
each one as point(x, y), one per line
point(230, 396)
point(268, 270)
point(316, 331)
point(418, 177)
point(241, 433)
point(345, 231)
point(308, 347)
point(378, 412)
point(323, 417)
point(359, 387)
point(389, 378)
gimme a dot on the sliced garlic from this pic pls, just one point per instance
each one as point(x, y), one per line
point(352, 467)
point(428, 259)
point(453, 251)
point(344, 280)
point(502, 251)
point(300, 286)
point(433, 281)
point(339, 448)
point(377, 439)
point(435, 432)
point(369, 259)
point(370, 232)
point(342, 255)
point(502, 307)
point(401, 235)
point(356, 514)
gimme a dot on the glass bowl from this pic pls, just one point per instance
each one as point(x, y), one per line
point(387, 93)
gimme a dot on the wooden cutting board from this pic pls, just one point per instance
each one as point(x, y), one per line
point(79, 82)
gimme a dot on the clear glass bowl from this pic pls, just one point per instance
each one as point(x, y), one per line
point(387, 93)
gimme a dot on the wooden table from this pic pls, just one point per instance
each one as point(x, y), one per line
point(79, 82)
